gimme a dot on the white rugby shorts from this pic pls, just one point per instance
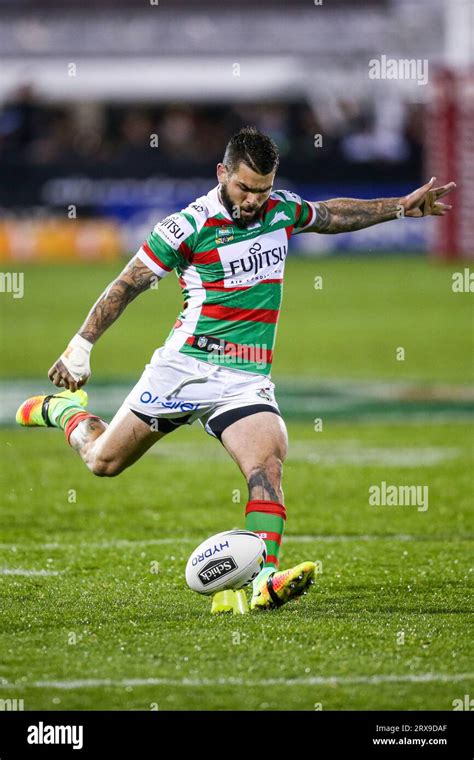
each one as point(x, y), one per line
point(176, 390)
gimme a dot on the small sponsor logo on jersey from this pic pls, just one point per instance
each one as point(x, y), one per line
point(265, 393)
point(216, 568)
point(210, 552)
point(174, 230)
point(224, 235)
point(280, 216)
point(208, 343)
point(227, 352)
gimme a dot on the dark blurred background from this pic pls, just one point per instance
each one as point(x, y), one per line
point(119, 111)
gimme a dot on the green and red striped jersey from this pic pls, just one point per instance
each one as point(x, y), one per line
point(231, 277)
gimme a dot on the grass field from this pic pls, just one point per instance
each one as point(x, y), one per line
point(351, 328)
point(95, 610)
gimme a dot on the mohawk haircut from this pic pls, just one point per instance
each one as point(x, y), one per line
point(258, 151)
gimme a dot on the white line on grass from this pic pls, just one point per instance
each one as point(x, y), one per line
point(92, 683)
point(331, 454)
point(22, 571)
point(301, 539)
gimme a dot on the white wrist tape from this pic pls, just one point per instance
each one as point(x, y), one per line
point(76, 357)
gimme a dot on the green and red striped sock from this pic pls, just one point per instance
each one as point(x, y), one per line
point(267, 518)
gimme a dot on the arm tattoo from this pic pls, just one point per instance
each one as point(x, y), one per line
point(348, 214)
point(135, 279)
point(323, 217)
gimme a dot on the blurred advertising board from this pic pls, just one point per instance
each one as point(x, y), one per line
point(101, 219)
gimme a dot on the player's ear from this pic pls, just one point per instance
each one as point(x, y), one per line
point(221, 173)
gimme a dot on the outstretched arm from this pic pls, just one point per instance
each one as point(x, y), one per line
point(72, 369)
point(133, 280)
point(348, 214)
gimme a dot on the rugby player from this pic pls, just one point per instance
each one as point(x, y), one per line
point(228, 249)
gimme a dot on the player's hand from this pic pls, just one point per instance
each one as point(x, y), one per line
point(59, 375)
point(72, 369)
point(425, 200)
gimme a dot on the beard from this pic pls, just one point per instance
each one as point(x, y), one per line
point(231, 208)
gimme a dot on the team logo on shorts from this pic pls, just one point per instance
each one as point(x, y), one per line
point(224, 235)
point(265, 393)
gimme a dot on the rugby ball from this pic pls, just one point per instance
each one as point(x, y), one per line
point(228, 560)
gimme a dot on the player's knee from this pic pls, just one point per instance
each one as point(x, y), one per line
point(105, 467)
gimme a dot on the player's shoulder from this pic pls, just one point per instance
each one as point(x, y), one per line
point(182, 228)
point(285, 205)
point(199, 211)
point(183, 225)
point(286, 196)
point(174, 229)
point(290, 205)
